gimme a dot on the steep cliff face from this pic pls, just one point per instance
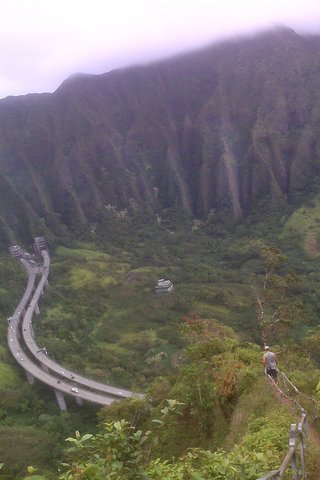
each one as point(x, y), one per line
point(218, 127)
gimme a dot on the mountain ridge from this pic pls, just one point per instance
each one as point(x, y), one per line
point(216, 128)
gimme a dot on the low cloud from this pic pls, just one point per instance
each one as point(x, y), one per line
point(42, 43)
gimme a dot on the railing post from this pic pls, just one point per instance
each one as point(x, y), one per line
point(301, 427)
point(292, 444)
point(295, 473)
point(303, 469)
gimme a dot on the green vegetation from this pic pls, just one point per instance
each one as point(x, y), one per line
point(304, 221)
point(120, 452)
point(8, 376)
point(199, 347)
point(224, 421)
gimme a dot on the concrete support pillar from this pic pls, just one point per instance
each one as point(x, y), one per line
point(59, 395)
point(60, 400)
point(37, 309)
point(30, 377)
point(79, 401)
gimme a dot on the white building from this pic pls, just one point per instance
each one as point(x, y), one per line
point(164, 286)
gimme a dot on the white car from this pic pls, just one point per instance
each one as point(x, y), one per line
point(74, 390)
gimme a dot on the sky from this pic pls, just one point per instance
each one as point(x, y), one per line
point(43, 42)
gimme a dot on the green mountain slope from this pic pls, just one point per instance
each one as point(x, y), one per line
point(217, 128)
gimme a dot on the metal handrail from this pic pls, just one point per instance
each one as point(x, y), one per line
point(314, 404)
point(294, 457)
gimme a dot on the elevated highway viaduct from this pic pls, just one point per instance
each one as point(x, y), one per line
point(38, 365)
point(41, 355)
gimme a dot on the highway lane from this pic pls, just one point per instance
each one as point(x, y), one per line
point(31, 272)
point(13, 327)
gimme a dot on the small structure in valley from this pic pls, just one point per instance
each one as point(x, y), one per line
point(164, 287)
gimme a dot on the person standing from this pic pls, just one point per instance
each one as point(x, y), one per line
point(270, 363)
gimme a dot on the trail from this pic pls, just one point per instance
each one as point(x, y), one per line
point(297, 403)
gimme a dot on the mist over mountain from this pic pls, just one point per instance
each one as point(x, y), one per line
point(218, 128)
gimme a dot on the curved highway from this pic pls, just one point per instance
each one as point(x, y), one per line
point(31, 272)
point(41, 366)
point(36, 371)
point(40, 355)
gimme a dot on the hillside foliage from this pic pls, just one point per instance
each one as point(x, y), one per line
point(196, 353)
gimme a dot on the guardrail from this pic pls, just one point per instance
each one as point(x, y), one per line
point(294, 460)
point(300, 400)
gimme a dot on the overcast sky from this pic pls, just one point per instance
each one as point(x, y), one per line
point(42, 42)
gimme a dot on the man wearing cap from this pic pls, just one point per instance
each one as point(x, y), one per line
point(270, 363)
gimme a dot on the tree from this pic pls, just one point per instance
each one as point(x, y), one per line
point(278, 305)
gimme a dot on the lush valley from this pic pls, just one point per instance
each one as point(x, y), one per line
point(200, 346)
